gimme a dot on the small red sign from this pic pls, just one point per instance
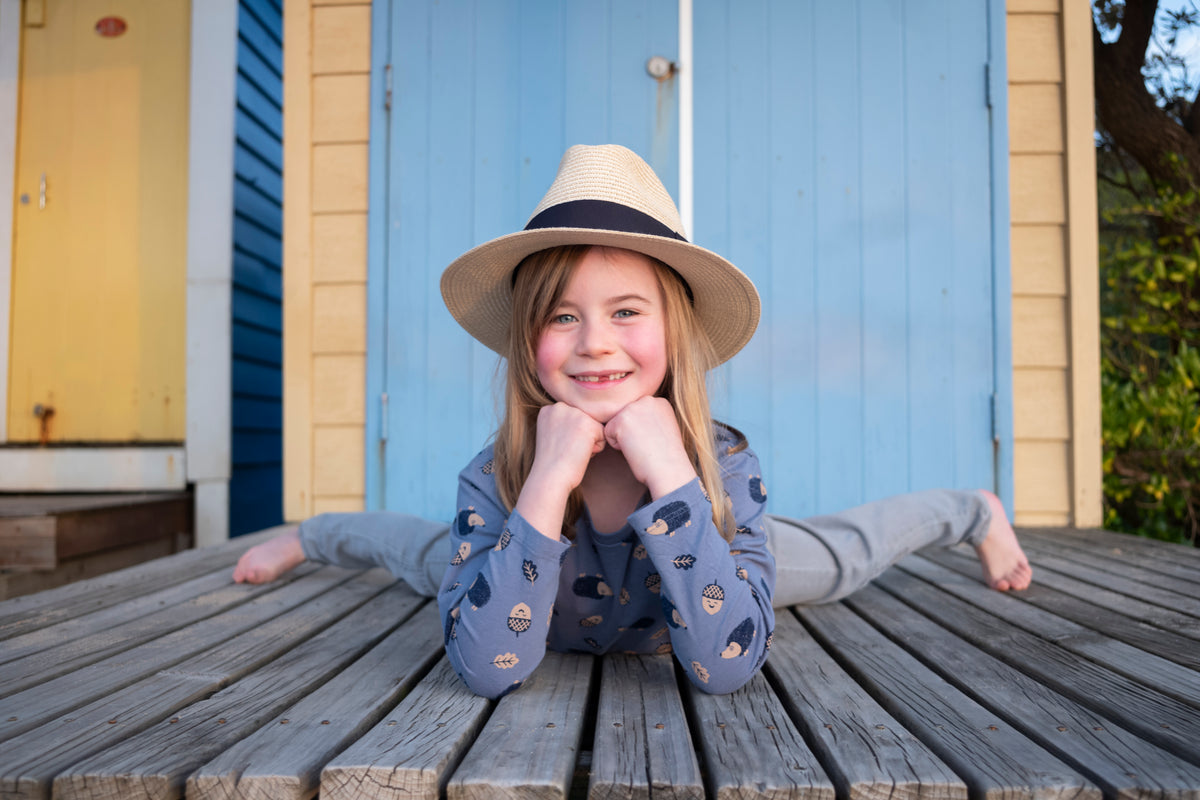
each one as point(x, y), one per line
point(111, 26)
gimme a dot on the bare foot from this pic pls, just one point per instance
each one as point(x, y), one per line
point(1005, 565)
point(267, 561)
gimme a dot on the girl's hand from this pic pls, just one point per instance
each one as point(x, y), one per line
point(567, 439)
point(647, 434)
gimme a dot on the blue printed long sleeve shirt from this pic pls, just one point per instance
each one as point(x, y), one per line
point(666, 582)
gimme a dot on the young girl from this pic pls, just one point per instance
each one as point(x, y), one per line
point(611, 513)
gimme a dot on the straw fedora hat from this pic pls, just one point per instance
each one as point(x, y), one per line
point(602, 195)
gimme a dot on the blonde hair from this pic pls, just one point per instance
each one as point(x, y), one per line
point(539, 283)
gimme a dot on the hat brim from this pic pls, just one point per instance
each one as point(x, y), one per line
point(477, 286)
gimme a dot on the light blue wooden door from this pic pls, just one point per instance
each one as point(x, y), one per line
point(485, 97)
point(844, 159)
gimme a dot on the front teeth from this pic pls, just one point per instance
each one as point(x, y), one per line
point(616, 376)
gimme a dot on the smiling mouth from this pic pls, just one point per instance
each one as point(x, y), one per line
point(612, 376)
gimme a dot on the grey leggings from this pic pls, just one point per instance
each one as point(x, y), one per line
point(817, 559)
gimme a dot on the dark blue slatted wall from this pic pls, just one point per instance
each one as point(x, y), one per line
point(256, 485)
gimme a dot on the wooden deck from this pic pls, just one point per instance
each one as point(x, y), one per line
point(167, 679)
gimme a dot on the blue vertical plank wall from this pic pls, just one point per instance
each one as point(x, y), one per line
point(256, 483)
point(842, 159)
point(486, 96)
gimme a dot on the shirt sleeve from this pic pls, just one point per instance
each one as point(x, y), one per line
point(498, 592)
point(405, 545)
point(716, 596)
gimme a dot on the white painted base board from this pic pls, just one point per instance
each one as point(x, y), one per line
point(92, 469)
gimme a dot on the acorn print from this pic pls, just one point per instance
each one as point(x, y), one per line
point(503, 542)
point(480, 592)
point(591, 586)
point(654, 582)
point(738, 643)
point(464, 550)
point(712, 598)
point(700, 671)
point(489, 467)
point(672, 614)
point(623, 598)
point(468, 520)
point(770, 640)
point(758, 492)
point(639, 552)
point(519, 619)
point(670, 518)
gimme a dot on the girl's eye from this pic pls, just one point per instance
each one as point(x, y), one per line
point(625, 313)
point(563, 319)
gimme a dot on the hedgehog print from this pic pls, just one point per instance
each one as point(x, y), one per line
point(758, 491)
point(468, 521)
point(670, 518)
point(738, 643)
point(480, 592)
point(591, 586)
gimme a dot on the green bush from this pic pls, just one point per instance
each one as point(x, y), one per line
point(1150, 378)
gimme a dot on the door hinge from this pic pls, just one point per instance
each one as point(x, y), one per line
point(387, 87)
point(383, 417)
point(987, 85)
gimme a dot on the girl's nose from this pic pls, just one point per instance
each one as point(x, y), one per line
point(595, 338)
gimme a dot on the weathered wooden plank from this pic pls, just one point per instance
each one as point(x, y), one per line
point(529, 746)
point(1163, 720)
point(154, 615)
point(31, 707)
point(156, 762)
point(28, 762)
point(866, 752)
point(409, 755)
point(283, 759)
point(1158, 673)
point(642, 747)
point(1147, 602)
point(1099, 617)
point(1096, 538)
point(54, 636)
point(31, 612)
point(752, 749)
point(1177, 569)
point(1122, 763)
point(989, 754)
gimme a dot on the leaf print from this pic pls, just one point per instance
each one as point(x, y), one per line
point(592, 643)
point(700, 671)
point(639, 552)
point(685, 561)
point(529, 570)
point(665, 648)
point(506, 661)
point(591, 622)
point(624, 598)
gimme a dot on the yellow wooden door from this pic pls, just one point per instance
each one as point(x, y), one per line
point(99, 267)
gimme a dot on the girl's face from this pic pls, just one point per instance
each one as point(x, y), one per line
point(606, 343)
